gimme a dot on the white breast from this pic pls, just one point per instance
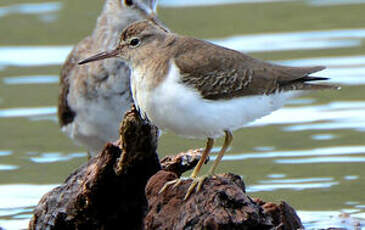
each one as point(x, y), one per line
point(140, 91)
point(175, 107)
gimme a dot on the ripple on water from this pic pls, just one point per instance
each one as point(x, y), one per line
point(13, 196)
point(292, 184)
point(316, 160)
point(323, 137)
point(348, 70)
point(41, 79)
point(5, 153)
point(15, 202)
point(335, 2)
point(27, 112)
point(56, 157)
point(351, 177)
point(294, 40)
point(345, 61)
point(55, 55)
point(337, 150)
point(296, 187)
point(53, 118)
point(297, 180)
point(276, 175)
point(13, 211)
point(338, 115)
point(352, 203)
point(264, 148)
point(350, 75)
point(14, 223)
point(33, 55)
point(326, 219)
point(189, 3)
point(31, 8)
point(8, 167)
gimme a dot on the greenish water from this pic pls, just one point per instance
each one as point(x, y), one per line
point(311, 153)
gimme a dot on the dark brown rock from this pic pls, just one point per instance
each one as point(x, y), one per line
point(182, 162)
point(221, 204)
point(107, 191)
point(283, 215)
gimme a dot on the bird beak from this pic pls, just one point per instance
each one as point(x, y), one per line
point(100, 56)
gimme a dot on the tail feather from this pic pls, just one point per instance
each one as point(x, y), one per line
point(302, 85)
point(313, 78)
point(287, 74)
point(305, 83)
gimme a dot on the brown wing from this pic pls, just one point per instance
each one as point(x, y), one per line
point(69, 68)
point(221, 73)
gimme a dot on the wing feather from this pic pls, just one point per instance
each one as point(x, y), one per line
point(221, 73)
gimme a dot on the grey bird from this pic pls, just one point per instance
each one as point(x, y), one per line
point(93, 98)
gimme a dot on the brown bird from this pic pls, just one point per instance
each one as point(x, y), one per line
point(200, 90)
point(93, 98)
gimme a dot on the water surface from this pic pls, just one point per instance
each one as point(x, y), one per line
point(311, 153)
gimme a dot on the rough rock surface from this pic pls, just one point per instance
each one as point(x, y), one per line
point(221, 204)
point(109, 192)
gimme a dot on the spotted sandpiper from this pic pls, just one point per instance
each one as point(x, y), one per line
point(200, 90)
point(93, 98)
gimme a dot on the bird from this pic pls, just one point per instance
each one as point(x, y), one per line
point(92, 99)
point(197, 89)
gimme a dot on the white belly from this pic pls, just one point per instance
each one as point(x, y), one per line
point(180, 109)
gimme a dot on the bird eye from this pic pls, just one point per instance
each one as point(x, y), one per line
point(134, 42)
point(128, 2)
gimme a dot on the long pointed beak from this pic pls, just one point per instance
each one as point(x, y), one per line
point(100, 56)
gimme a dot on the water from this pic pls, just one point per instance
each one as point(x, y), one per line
point(310, 153)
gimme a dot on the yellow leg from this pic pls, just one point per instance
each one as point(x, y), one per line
point(227, 142)
point(203, 158)
point(89, 155)
point(195, 173)
point(196, 180)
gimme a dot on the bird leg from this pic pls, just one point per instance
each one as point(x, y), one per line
point(195, 173)
point(227, 141)
point(196, 180)
point(203, 158)
point(89, 155)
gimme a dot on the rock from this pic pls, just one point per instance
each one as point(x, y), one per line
point(107, 191)
point(182, 162)
point(222, 203)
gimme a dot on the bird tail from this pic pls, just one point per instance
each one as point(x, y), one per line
point(306, 83)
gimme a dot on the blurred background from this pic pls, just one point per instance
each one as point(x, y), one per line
point(310, 153)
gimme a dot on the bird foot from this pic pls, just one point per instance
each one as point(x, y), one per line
point(175, 183)
point(196, 184)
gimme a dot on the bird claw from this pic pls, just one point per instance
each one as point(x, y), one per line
point(197, 184)
point(175, 183)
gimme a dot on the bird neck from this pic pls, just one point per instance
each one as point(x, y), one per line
point(111, 23)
